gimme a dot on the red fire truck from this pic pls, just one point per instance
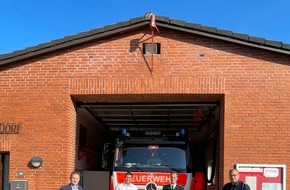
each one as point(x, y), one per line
point(150, 156)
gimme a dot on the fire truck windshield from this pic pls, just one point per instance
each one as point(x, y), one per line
point(145, 157)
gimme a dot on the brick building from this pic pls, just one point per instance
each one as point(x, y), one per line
point(43, 86)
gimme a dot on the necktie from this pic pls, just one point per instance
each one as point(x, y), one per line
point(172, 187)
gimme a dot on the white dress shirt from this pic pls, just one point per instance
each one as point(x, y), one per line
point(123, 186)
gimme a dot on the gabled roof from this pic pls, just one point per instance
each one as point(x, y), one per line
point(135, 23)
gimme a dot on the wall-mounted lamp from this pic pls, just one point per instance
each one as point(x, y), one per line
point(36, 161)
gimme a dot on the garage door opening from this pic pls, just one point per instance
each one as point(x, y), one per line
point(102, 122)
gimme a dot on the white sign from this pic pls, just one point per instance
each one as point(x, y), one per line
point(252, 182)
point(271, 172)
point(271, 186)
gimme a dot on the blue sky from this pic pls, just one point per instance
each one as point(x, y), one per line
point(26, 23)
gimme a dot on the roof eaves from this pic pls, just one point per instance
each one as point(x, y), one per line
point(193, 26)
point(208, 29)
point(70, 40)
point(177, 22)
point(141, 21)
point(273, 43)
point(225, 35)
point(137, 20)
point(234, 37)
point(242, 37)
point(163, 19)
point(286, 46)
point(257, 40)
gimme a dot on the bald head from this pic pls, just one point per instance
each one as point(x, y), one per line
point(234, 176)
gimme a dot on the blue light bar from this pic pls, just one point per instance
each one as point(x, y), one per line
point(124, 132)
point(182, 132)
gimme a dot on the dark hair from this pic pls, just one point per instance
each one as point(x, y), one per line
point(74, 173)
point(173, 172)
point(129, 173)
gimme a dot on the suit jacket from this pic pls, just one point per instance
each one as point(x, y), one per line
point(240, 185)
point(177, 187)
point(68, 187)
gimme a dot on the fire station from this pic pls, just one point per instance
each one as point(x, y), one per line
point(79, 103)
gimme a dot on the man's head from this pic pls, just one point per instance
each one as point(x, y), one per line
point(74, 178)
point(234, 175)
point(128, 178)
point(173, 177)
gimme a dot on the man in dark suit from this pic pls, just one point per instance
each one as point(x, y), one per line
point(235, 182)
point(74, 180)
point(173, 183)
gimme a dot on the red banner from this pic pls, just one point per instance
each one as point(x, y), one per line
point(142, 178)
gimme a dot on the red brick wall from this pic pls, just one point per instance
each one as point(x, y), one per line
point(252, 84)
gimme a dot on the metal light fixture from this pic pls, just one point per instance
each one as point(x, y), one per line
point(36, 161)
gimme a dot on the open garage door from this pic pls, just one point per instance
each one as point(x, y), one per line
point(200, 119)
point(136, 115)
